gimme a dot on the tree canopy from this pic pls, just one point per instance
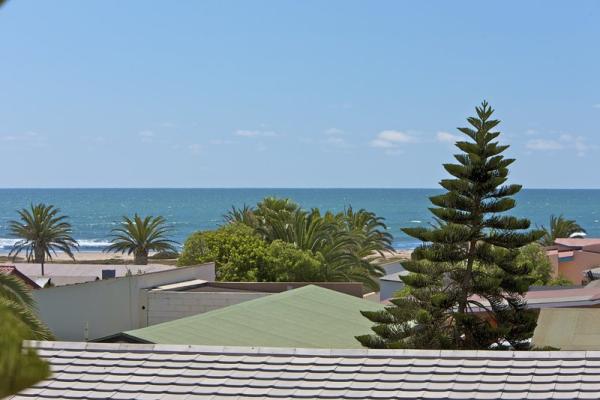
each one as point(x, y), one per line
point(41, 231)
point(467, 262)
point(560, 227)
point(139, 236)
point(283, 242)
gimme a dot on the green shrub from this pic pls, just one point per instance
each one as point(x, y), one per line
point(286, 263)
point(238, 253)
point(534, 256)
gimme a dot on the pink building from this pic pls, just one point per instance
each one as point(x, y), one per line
point(571, 257)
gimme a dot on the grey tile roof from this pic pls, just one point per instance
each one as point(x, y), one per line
point(134, 371)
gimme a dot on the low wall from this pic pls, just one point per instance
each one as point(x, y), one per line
point(166, 306)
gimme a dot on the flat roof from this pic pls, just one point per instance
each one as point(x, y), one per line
point(568, 329)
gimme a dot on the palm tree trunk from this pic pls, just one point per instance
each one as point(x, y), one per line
point(140, 258)
point(40, 258)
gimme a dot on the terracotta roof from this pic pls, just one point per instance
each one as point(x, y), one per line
point(12, 270)
point(126, 371)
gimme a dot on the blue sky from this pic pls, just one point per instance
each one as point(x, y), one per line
point(292, 93)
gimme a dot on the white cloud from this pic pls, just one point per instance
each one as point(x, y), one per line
point(596, 105)
point(446, 137)
point(544, 144)
point(254, 133)
point(391, 139)
point(335, 137)
point(578, 144)
point(30, 138)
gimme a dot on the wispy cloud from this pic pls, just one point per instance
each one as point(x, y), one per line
point(146, 136)
point(391, 139)
point(254, 133)
point(578, 144)
point(29, 138)
point(335, 137)
point(597, 105)
point(544, 144)
point(446, 137)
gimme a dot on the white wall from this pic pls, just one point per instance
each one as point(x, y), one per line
point(166, 306)
point(107, 306)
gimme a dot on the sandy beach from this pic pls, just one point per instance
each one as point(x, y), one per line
point(84, 256)
point(89, 256)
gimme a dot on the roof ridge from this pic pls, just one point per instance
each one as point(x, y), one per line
point(309, 352)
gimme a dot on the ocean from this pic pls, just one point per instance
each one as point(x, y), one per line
point(94, 212)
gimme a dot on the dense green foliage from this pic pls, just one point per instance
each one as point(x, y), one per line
point(237, 251)
point(560, 227)
point(19, 368)
point(341, 242)
point(139, 236)
point(15, 297)
point(42, 231)
point(536, 260)
point(468, 258)
point(240, 254)
point(18, 321)
point(279, 241)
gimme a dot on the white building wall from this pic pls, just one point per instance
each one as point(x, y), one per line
point(166, 306)
point(96, 309)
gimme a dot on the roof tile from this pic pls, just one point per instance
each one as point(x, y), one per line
point(202, 372)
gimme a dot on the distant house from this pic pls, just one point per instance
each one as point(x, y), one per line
point(391, 283)
point(558, 297)
point(310, 316)
point(102, 307)
point(176, 372)
point(572, 257)
point(12, 270)
point(568, 329)
point(68, 274)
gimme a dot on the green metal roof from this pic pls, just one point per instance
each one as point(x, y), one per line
point(309, 316)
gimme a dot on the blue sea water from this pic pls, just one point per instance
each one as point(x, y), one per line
point(94, 212)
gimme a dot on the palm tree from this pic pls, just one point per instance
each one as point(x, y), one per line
point(139, 236)
point(19, 367)
point(15, 298)
point(560, 227)
point(42, 231)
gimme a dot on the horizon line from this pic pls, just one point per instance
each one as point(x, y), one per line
point(259, 188)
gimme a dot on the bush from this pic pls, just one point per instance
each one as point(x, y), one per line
point(241, 255)
point(238, 253)
point(534, 256)
point(286, 263)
